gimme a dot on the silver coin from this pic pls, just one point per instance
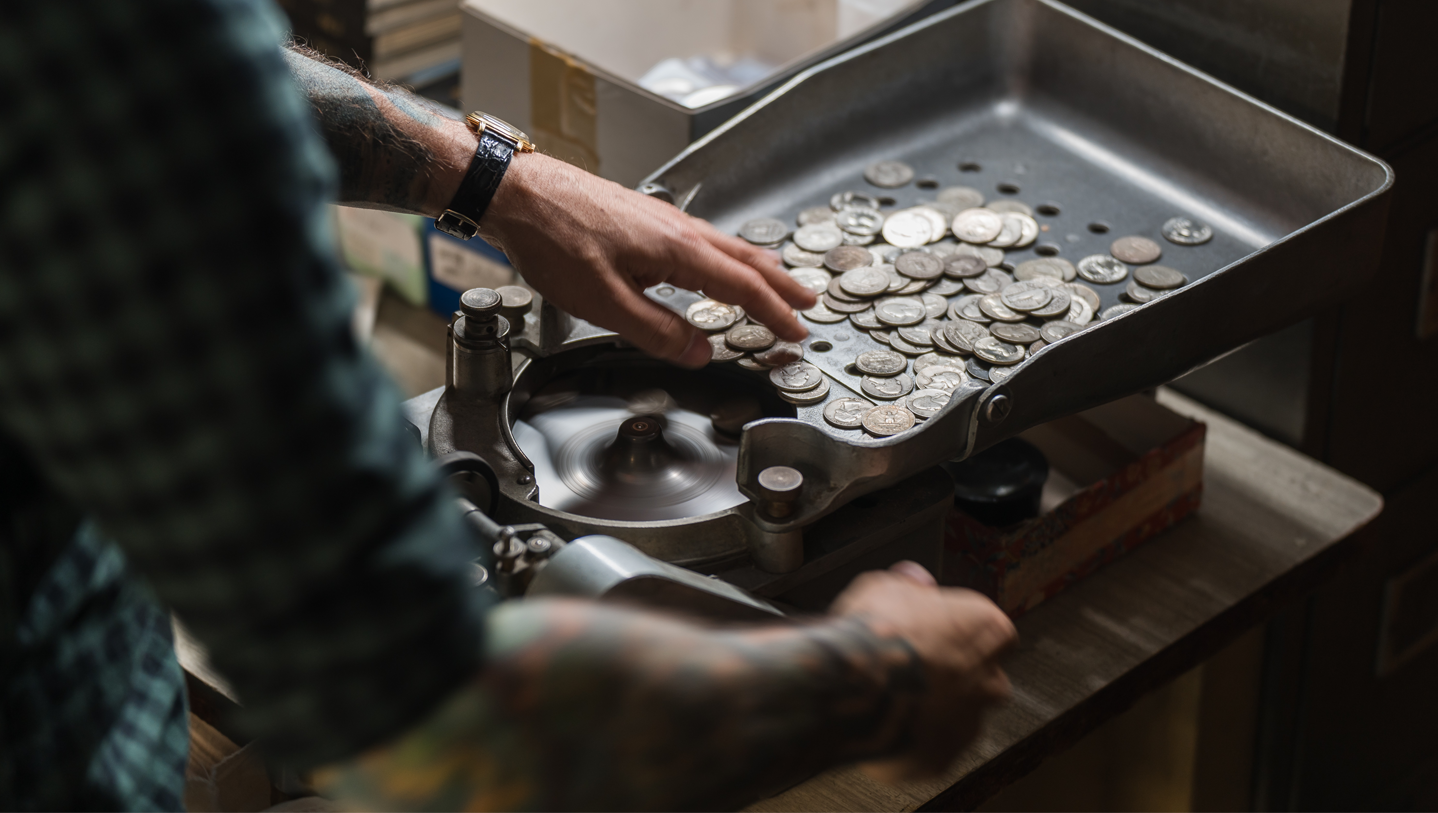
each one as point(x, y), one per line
point(920, 335)
point(844, 306)
point(1025, 297)
point(749, 337)
point(887, 389)
point(865, 320)
point(720, 351)
point(1187, 232)
point(934, 361)
point(1015, 333)
point(944, 378)
point(851, 239)
point(885, 254)
point(946, 288)
point(977, 369)
point(1080, 312)
point(1058, 307)
point(820, 313)
point(1102, 269)
point(855, 220)
point(995, 351)
point(942, 343)
point(989, 283)
point(967, 308)
point(919, 265)
point(846, 200)
point(889, 174)
point(846, 413)
point(709, 314)
point(888, 419)
point(847, 258)
point(962, 333)
point(815, 279)
point(881, 336)
point(1030, 231)
point(819, 238)
point(881, 363)
point(817, 214)
point(807, 397)
point(1159, 277)
point(964, 266)
point(897, 281)
point(764, 231)
point(938, 222)
point(866, 281)
point(749, 363)
point(796, 376)
point(901, 345)
point(945, 208)
point(993, 307)
point(999, 375)
point(900, 311)
point(1140, 294)
point(781, 353)
point(991, 256)
point(1012, 207)
point(1136, 250)
point(908, 229)
point(796, 257)
point(1054, 332)
point(1087, 294)
point(1117, 310)
point(935, 306)
point(1011, 232)
point(1037, 346)
point(962, 196)
point(928, 403)
point(977, 225)
point(1052, 267)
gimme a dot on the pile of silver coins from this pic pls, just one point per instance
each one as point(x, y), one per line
point(931, 283)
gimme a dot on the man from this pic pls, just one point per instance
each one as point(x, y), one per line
point(186, 424)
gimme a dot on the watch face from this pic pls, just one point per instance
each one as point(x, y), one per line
point(500, 127)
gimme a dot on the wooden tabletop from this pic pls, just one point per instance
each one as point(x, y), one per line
point(1270, 528)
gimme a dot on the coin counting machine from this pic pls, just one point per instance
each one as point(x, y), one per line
point(551, 425)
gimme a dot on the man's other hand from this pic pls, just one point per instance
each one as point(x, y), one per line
point(591, 247)
point(959, 635)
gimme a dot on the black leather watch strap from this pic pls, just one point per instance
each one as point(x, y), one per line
point(486, 170)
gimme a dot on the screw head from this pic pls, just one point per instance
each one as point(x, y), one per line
point(998, 408)
point(781, 482)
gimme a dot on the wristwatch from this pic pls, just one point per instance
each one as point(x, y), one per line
point(498, 142)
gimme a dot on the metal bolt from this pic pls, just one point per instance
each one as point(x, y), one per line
point(998, 408)
point(525, 479)
point(779, 488)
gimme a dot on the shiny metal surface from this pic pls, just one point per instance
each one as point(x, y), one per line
point(602, 567)
point(1039, 97)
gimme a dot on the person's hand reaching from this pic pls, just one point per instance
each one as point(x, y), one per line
point(959, 636)
point(591, 247)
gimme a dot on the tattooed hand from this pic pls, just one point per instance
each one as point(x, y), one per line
point(589, 245)
point(592, 247)
point(959, 636)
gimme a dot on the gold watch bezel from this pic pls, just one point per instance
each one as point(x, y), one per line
point(479, 123)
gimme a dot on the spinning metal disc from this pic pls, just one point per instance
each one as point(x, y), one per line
point(633, 454)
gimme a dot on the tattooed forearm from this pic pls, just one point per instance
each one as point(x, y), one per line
point(584, 707)
point(395, 150)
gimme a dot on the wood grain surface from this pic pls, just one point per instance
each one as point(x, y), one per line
point(1271, 527)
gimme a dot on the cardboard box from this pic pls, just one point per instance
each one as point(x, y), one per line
point(457, 265)
point(568, 71)
point(1118, 475)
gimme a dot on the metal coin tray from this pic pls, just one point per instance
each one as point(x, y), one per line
point(1030, 100)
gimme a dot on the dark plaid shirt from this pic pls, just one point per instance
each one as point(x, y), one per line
point(186, 421)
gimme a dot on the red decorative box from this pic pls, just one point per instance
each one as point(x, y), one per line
point(1118, 475)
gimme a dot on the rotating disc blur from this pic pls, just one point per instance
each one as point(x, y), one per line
point(615, 450)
